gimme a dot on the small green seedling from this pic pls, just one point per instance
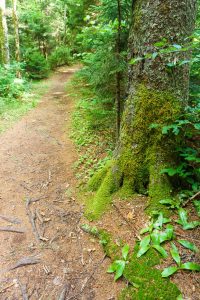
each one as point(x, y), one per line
point(176, 257)
point(118, 266)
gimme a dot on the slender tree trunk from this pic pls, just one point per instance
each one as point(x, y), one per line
point(157, 95)
point(16, 30)
point(65, 23)
point(5, 54)
point(118, 75)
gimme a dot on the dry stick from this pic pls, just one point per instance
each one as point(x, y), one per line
point(32, 221)
point(10, 219)
point(23, 290)
point(26, 261)
point(11, 229)
point(127, 222)
point(64, 293)
point(192, 198)
point(88, 279)
point(6, 288)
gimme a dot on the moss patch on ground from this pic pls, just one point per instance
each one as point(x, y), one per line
point(145, 281)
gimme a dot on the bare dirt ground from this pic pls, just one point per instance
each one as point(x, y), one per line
point(51, 258)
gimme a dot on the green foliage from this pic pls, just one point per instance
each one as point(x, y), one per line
point(176, 257)
point(183, 220)
point(118, 266)
point(11, 87)
point(59, 57)
point(36, 65)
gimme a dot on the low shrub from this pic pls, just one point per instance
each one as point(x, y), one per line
point(37, 66)
point(59, 57)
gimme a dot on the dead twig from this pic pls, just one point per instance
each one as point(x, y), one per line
point(10, 219)
point(26, 261)
point(23, 290)
point(192, 198)
point(32, 220)
point(64, 293)
point(6, 288)
point(88, 279)
point(127, 222)
point(11, 229)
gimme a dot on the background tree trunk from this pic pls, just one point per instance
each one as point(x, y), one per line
point(157, 95)
point(16, 30)
point(5, 55)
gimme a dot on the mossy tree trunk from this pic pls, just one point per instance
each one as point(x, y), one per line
point(157, 95)
point(16, 30)
point(4, 45)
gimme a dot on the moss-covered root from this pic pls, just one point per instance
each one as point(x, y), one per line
point(105, 183)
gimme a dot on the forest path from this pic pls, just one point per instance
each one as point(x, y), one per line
point(37, 184)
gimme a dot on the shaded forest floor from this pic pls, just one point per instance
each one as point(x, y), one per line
point(51, 256)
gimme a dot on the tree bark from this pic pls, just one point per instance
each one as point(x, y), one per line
point(5, 54)
point(16, 30)
point(118, 74)
point(157, 95)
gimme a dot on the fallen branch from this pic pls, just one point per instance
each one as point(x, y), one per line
point(11, 229)
point(26, 261)
point(10, 219)
point(191, 198)
point(32, 220)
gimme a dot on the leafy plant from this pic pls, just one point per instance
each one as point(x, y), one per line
point(176, 257)
point(118, 266)
point(156, 236)
point(183, 220)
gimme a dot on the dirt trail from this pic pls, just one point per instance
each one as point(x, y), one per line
point(36, 163)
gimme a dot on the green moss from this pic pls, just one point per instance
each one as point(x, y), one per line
point(141, 155)
point(95, 182)
point(145, 281)
point(148, 280)
point(100, 202)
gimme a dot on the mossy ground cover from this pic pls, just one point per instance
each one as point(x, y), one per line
point(145, 282)
point(92, 130)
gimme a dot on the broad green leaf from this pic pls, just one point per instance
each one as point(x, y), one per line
point(188, 245)
point(180, 297)
point(120, 268)
point(170, 231)
point(145, 241)
point(154, 55)
point(169, 271)
point(191, 225)
point(142, 251)
point(125, 251)
point(197, 206)
point(144, 230)
point(161, 250)
point(175, 254)
point(155, 237)
point(197, 126)
point(112, 268)
point(183, 217)
point(176, 46)
point(191, 266)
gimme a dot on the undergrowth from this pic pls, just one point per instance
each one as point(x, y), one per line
point(92, 129)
